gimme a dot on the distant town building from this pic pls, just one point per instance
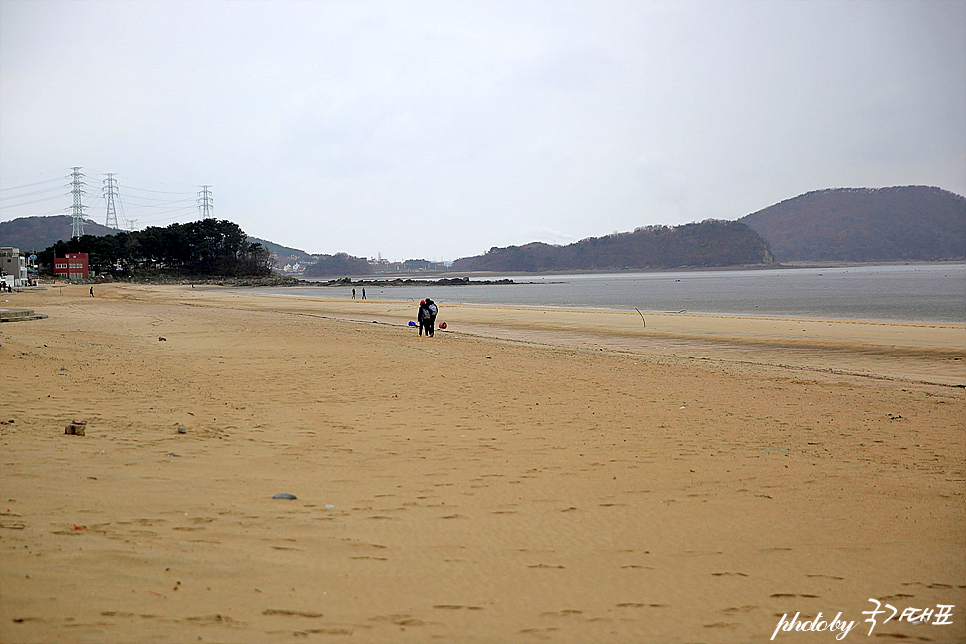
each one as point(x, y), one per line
point(73, 267)
point(13, 266)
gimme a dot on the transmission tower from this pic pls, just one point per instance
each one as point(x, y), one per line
point(110, 191)
point(205, 202)
point(77, 210)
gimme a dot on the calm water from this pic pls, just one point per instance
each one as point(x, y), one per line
point(935, 293)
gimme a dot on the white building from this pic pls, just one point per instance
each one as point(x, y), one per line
point(13, 266)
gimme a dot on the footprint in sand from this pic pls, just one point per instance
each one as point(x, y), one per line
point(399, 620)
point(291, 613)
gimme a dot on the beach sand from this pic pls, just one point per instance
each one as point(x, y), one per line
point(526, 475)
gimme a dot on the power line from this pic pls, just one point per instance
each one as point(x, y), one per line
point(162, 192)
point(163, 202)
point(30, 194)
point(123, 214)
point(27, 203)
point(30, 185)
point(163, 219)
point(184, 213)
point(59, 211)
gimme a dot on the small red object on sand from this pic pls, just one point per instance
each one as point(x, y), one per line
point(80, 527)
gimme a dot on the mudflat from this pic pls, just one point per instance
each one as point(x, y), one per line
point(525, 475)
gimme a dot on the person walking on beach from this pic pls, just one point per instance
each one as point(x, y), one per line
point(433, 311)
point(353, 294)
point(92, 291)
point(422, 317)
point(363, 293)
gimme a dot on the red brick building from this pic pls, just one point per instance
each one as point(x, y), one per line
point(73, 267)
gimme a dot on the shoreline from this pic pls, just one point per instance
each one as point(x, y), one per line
point(793, 265)
point(545, 475)
point(750, 316)
point(930, 352)
point(922, 294)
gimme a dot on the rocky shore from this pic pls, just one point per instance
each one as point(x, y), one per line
point(397, 281)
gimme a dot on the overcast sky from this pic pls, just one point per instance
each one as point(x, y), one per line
point(439, 129)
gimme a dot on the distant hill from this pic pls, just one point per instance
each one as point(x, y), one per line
point(911, 223)
point(709, 243)
point(34, 234)
point(278, 249)
point(285, 254)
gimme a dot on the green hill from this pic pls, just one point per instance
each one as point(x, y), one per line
point(910, 223)
point(707, 244)
point(284, 254)
point(34, 234)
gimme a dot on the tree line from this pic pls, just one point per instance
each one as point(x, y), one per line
point(709, 243)
point(206, 248)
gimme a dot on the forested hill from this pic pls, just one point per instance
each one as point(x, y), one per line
point(34, 234)
point(709, 243)
point(911, 223)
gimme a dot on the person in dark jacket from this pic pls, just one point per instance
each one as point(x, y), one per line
point(433, 312)
point(422, 317)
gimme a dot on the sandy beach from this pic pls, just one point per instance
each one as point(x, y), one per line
point(527, 475)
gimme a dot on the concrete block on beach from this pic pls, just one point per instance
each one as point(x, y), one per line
point(76, 428)
point(19, 315)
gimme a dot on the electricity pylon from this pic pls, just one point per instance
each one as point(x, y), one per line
point(77, 210)
point(205, 202)
point(110, 190)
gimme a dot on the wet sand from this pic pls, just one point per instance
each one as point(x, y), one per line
point(527, 475)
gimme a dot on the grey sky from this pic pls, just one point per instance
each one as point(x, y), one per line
point(440, 129)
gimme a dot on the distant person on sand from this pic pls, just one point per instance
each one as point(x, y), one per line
point(433, 311)
point(422, 317)
point(92, 291)
point(363, 293)
point(353, 294)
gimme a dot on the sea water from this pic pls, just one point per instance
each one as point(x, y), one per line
point(923, 292)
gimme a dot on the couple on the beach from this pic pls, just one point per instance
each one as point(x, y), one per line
point(426, 317)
